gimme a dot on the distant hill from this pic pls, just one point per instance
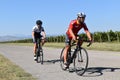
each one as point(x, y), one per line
point(17, 37)
point(12, 38)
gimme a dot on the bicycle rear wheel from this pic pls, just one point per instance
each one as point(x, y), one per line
point(81, 61)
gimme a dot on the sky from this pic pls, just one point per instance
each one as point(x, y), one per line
point(17, 17)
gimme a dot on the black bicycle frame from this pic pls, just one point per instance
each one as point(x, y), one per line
point(38, 44)
point(78, 47)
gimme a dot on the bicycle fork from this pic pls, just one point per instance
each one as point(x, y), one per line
point(79, 55)
point(71, 57)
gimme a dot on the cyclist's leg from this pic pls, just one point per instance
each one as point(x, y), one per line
point(42, 42)
point(67, 41)
point(81, 41)
point(35, 48)
point(65, 53)
point(35, 45)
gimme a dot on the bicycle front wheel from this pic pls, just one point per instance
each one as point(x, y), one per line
point(62, 59)
point(81, 61)
point(41, 56)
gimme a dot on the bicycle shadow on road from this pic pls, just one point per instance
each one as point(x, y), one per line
point(99, 71)
point(53, 61)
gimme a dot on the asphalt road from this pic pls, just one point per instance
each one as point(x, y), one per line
point(103, 65)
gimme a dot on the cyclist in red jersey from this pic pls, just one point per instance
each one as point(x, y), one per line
point(71, 34)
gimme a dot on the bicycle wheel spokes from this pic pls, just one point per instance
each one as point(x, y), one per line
point(81, 61)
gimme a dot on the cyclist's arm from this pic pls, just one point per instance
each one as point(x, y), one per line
point(33, 34)
point(71, 31)
point(88, 35)
point(43, 34)
point(72, 34)
point(87, 32)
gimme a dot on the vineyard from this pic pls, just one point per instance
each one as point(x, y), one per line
point(110, 36)
point(97, 37)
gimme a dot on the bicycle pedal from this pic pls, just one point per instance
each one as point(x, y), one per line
point(66, 68)
point(40, 51)
point(71, 70)
point(35, 59)
point(38, 54)
point(71, 61)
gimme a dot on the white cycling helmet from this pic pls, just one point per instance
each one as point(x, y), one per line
point(82, 14)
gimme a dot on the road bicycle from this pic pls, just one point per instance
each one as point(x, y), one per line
point(76, 55)
point(39, 51)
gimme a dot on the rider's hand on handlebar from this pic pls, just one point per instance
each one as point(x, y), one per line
point(90, 42)
point(33, 40)
point(74, 38)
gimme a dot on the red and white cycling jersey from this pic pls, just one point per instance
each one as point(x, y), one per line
point(75, 27)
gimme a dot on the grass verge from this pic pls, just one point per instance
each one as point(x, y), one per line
point(10, 71)
point(107, 46)
point(95, 46)
point(104, 46)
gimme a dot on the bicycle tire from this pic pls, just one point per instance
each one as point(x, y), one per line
point(38, 56)
point(41, 56)
point(39, 53)
point(81, 61)
point(62, 60)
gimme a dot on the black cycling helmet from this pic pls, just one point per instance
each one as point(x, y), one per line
point(39, 22)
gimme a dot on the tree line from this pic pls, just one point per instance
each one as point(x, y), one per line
point(110, 36)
